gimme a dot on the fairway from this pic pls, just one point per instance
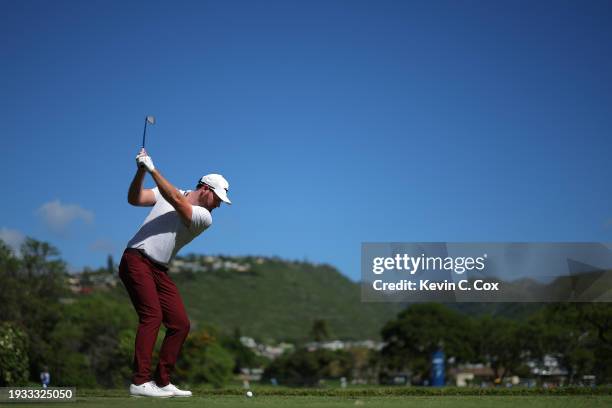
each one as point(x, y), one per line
point(227, 401)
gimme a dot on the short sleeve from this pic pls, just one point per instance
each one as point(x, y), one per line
point(157, 194)
point(200, 219)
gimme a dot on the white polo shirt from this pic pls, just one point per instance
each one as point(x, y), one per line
point(163, 233)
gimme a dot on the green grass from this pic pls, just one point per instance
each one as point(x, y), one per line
point(363, 391)
point(352, 397)
point(226, 401)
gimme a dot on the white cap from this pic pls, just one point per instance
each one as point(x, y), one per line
point(218, 184)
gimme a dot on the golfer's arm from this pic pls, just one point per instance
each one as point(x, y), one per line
point(174, 197)
point(137, 195)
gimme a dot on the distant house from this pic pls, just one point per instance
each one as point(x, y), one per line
point(74, 283)
point(336, 345)
point(251, 374)
point(248, 342)
point(548, 371)
point(471, 374)
point(208, 263)
point(269, 351)
point(87, 282)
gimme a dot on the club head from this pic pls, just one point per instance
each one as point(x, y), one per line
point(151, 120)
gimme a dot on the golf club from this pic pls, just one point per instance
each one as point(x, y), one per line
point(148, 119)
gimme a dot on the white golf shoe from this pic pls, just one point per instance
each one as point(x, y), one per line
point(175, 391)
point(149, 389)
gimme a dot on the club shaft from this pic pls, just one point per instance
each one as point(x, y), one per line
point(144, 133)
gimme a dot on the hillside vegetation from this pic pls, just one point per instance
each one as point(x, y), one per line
point(280, 300)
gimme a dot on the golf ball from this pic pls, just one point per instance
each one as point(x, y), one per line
point(249, 394)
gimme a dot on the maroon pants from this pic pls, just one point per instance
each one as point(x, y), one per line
point(156, 300)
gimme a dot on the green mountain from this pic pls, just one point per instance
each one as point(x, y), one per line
point(272, 299)
point(275, 299)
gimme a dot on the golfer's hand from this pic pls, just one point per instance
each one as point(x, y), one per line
point(144, 160)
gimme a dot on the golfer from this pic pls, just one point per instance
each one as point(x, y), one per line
point(176, 218)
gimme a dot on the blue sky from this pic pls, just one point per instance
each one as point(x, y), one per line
point(335, 122)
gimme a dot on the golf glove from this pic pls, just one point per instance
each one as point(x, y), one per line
point(142, 160)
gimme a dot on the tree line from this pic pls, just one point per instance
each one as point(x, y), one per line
point(88, 341)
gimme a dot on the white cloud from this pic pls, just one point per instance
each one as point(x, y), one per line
point(58, 216)
point(12, 238)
